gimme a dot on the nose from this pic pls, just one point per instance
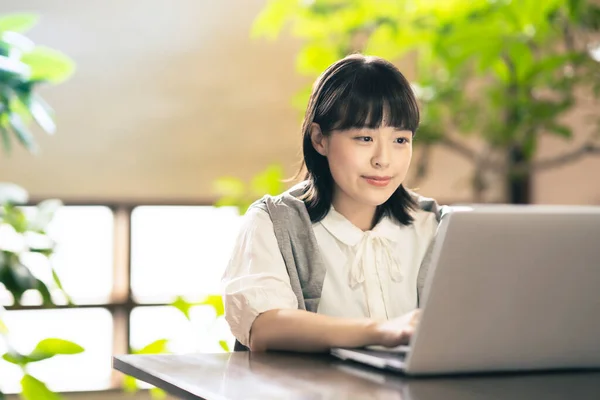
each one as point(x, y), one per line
point(381, 156)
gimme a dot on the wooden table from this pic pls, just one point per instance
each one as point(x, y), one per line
point(246, 375)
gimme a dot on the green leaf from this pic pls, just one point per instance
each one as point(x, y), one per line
point(550, 64)
point(315, 57)
point(18, 280)
point(59, 285)
point(268, 182)
point(41, 112)
point(34, 389)
point(561, 130)
point(4, 49)
point(271, 19)
point(229, 187)
point(48, 348)
point(15, 216)
point(18, 22)
point(575, 8)
point(45, 212)
point(231, 192)
point(224, 345)
point(48, 65)
point(13, 70)
point(15, 358)
point(17, 107)
point(157, 393)
point(216, 302)
point(530, 146)
point(130, 384)
point(25, 137)
point(157, 347)
point(182, 305)
point(383, 43)
point(18, 42)
point(521, 57)
point(45, 292)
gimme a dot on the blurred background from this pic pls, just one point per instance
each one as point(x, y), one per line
point(171, 117)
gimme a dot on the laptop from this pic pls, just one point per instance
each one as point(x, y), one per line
point(509, 288)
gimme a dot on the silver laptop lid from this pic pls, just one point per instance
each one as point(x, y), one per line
point(512, 288)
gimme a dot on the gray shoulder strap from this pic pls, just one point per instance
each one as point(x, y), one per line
point(298, 245)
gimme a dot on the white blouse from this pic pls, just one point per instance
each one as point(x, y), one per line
point(368, 274)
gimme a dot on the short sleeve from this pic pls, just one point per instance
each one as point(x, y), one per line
point(256, 279)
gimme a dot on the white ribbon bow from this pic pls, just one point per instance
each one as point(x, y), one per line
point(375, 249)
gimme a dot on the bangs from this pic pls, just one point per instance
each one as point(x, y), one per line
point(375, 97)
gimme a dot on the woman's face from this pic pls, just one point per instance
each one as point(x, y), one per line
point(367, 165)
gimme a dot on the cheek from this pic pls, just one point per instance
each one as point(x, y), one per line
point(344, 163)
point(342, 156)
point(404, 157)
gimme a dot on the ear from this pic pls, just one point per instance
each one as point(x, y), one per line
point(319, 141)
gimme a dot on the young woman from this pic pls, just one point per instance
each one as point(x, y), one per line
point(336, 260)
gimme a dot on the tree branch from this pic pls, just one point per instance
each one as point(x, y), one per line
point(460, 148)
point(470, 154)
point(568, 36)
point(587, 148)
point(484, 163)
point(422, 164)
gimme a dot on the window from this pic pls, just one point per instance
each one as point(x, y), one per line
point(90, 327)
point(123, 265)
point(179, 251)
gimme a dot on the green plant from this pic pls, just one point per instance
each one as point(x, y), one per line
point(502, 72)
point(160, 346)
point(23, 235)
point(25, 66)
point(237, 193)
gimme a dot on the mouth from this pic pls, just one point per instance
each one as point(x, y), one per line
point(379, 181)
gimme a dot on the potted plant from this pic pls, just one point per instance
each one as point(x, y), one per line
point(504, 73)
point(23, 68)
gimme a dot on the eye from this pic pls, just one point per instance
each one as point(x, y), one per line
point(401, 140)
point(364, 138)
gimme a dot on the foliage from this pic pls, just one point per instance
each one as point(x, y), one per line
point(24, 67)
point(237, 193)
point(503, 72)
point(23, 234)
point(161, 346)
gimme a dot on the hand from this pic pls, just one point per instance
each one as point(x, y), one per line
point(398, 331)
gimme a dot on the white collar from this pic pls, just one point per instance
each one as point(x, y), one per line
point(380, 239)
point(348, 233)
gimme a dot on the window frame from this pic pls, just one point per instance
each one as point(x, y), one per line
point(121, 301)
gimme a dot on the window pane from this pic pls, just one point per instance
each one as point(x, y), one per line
point(201, 333)
point(90, 328)
point(180, 250)
point(84, 255)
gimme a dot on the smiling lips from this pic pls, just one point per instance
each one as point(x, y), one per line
point(379, 181)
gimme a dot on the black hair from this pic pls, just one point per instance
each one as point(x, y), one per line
point(356, 92)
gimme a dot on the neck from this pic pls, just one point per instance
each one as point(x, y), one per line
point(359, 215)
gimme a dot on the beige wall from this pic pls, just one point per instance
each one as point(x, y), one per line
point(170, 95)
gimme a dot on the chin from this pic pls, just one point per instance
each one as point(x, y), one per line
point(375, 199)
